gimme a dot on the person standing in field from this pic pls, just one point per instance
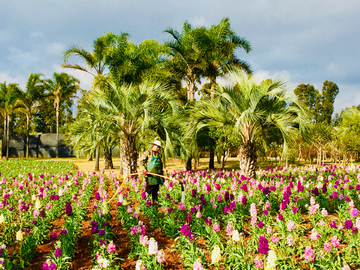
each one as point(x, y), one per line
point(152, 162)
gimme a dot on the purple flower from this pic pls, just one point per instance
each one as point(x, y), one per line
point(217, 186)
point(185, 230)
point(219, 197)
point(101, 232)
point(334, 195)
point(243, 199)
point(265, 212)
point(295, 209)
point(143, 195)
point(64, 232)
point(193, 193)
point(97, 196)
point(348, 224)
point(280, 216)
point(53, 236)
point(58, 252)
point(168, 196)
point(102, 242)
point(260, 224)
point(68, 209)
point(226, 195)
point(332, 224)
point(263, 245)
point(188, 218)
point(94, 227)
point(208, 221)
point(170, 210)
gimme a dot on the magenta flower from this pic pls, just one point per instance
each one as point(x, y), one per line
point(309, 254)
point(111, 247)
point(58, 252)
point(263, 245)
point(354, 212)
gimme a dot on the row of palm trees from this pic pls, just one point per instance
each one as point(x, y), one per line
point(137, 95)
point(14, 100)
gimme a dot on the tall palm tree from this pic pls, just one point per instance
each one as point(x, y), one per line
point(133, 111)
point(220, 56)
point(8, 97)
point(28, 101)
point(61, 87)
point(187, 52)
point(97, 62)
point(250, 110)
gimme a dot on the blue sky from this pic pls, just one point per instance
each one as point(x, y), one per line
point(306, 41)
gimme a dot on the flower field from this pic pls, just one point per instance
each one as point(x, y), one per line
point(287, 218)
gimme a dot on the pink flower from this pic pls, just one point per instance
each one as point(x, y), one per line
point(315, 235)
point(111, 247)
point(258, 262)
point(275, 239)
point(324, 212)
point(354, 212)
point(197, 265)
point(335, 241)
point(216, 227)
point(48, 206)
point(290, 225)
point(327, 246)
point(229, 229)
point(313, 208)
point(309, 254)
point(160, 256)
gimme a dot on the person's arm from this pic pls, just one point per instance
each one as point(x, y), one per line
point(144, 159)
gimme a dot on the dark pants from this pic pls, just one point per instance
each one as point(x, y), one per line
point(153, 190)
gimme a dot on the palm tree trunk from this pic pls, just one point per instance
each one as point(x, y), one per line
point(97, 158)
point(188, 164)
point(57, 130)
point(129, 155)
point(247, 159)
point(108, 163)
point(212, 158)
point(27, 136)
point(212, 83)
point(190, 86)
point(4, 138)
point(7, 135)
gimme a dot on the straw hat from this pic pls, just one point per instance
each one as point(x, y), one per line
point(157, 143)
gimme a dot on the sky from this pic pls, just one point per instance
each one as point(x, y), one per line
point(307, 41)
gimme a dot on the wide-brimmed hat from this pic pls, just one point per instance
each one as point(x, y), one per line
point(157, 143)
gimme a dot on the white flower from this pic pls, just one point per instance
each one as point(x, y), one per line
point(216, 255)
point(19, 236)
point(153, 246)
point(37, 204)
point(235, 236)
point(103, 263)
point(140, 265)
point(2, 219)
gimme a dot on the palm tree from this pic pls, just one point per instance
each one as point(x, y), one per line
point(8, 97)
point(91, 129)
point(97, 62)
point(62, 87)
point(220, 56)
point(187, 53)
point(131, 112)
point(250, 110)
point(28, 101)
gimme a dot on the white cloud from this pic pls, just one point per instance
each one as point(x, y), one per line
point(198, 21)
point(21, 80)
point(55, 48)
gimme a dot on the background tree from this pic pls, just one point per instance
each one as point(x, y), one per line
point(61, 87)
point(309, 96)
point(8, 97)
point(96, 63)
point(328, 95)
point(28, 101)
